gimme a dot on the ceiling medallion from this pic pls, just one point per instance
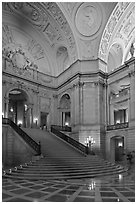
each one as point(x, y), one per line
point(88, 19)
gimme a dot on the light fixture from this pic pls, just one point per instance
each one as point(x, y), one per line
point(92, 185)
point(2, 114)
point(120, 177)
point(89, 141)
point(26, 107)
point(35, 120)
point(66, 123)
point(15, 92)
point(118, 122)
point(120, 144)
point(11, 109)
point(19, 122)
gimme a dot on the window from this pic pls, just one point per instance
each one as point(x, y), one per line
point(120, 116)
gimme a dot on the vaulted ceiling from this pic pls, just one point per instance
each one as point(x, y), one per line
point(51, 36)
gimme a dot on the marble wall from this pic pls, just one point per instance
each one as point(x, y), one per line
point(89, 90)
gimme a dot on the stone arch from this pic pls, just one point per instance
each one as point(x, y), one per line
point(65, 109)
point(115, 57)
point(15, 87)
point(62, 57)
point(19, 106)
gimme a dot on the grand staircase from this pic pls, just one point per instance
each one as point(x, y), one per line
point(61, 161)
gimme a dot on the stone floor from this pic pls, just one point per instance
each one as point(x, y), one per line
point(115, 188)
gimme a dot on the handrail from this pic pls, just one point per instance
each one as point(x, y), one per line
point(117, 126)
point(23, 135)
point(62, 128)
point(70, 140)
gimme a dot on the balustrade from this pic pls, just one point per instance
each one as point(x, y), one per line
point(117, 126)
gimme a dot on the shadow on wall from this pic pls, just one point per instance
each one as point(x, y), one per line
point(14, 149)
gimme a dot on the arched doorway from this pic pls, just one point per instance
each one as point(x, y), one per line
point(117, 148)
point(19, 111)
point(65, 105)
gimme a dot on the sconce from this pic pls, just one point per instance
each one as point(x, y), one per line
point(26, 107)
point(11, 109)
point(19, 122)
point(35, 121)
point(2, 115)
point(66, 123)
point(120, 144)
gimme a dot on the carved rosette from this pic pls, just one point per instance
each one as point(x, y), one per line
point(88, 20)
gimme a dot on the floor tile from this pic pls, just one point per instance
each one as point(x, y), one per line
point(121, 189)
point(111, 200)
point(84, 199)
point(10, 187)
point(35, 195)
point(27, 184)
point(4, 196)
point(87, 193)
point(105, 189)
point(18, 200)
point(20, 191)
point(36, 187)
point(49, 189)
point(67, 192)
point(57, 198)
point(108, 194)
point(128, 194)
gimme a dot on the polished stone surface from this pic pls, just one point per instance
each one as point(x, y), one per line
point(115, 188)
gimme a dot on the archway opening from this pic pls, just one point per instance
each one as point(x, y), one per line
point(65, 105)
point(117, 148)
point(115, 57)
point(18, 110)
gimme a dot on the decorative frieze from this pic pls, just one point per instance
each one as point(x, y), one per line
point(49, 20)
point(115, 31)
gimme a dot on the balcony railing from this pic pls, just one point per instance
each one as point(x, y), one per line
point(117, 126)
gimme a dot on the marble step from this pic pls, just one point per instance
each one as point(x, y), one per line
point(61, 176)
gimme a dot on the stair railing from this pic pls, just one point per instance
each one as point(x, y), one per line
point(70, 140)
point(34, 145)
point(62, 128)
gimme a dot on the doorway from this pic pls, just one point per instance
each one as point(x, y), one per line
point(66, 119)
point(43, 120)
point(117, 148)
point(18, 110)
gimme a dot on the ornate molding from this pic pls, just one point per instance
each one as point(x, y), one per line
point(88, 19)
point(18, 59)
point(78, 84)
point(48, 19)
point(115, 31)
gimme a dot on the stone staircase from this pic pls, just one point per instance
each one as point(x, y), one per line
point(61, 161)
